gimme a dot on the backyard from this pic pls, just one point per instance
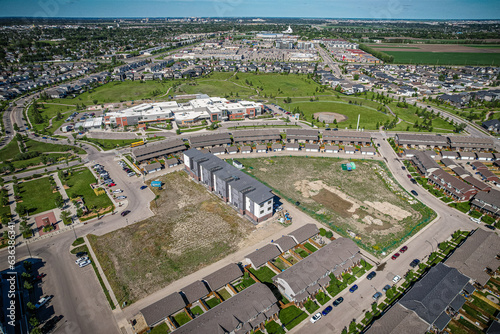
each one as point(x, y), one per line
point(366, 204)
point(191, 228)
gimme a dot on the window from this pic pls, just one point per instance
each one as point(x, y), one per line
point(269, 202)
point(261, 212)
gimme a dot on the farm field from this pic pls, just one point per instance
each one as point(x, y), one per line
point(445, 58)
point(366, 202)
point(191, 229)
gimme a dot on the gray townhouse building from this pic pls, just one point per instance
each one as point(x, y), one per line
point(247, 195)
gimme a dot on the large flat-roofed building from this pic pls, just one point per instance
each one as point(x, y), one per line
point(301, 280)
point(249, 136)
point(243, 192)
point(240, 314)
point(478, 252)
point(202, 108)
point(301, 135)
point(347, 137)
point(163, 148)
point(470, 143)
point(422, 141)
point(215, 139)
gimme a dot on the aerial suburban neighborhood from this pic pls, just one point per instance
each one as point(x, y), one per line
point(243, 168)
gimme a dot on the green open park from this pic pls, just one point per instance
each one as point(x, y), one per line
point(445, 58)
point(37, 196)
point(78, 183)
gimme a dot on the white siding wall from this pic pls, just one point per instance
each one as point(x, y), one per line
point(187, 161)
point(267, 208)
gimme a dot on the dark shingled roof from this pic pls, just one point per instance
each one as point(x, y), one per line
point(477, 252)
point(161, 148)
point(398, 320)
point(237, 311)
point(285, 243)
point(158, 311)
point(264, 254)
point(195, 291)
point(223, 276)
point(211, 139)
point(305, 232)
point(432, 294)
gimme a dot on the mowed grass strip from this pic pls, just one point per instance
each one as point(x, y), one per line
point(191, 229)
point(79, 185)
point(37, 195)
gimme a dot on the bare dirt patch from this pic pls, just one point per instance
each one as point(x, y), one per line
point(338, 117)
point(333, 202)
point(389, 209)
point(191, 229)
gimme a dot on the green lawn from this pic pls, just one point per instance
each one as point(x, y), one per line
point(160, 329)
point(33, 145)
point(197, 310)
point(280, 264)
point(462, 206)
point(109, 144)
point(335, 286)
point(182, 318)
point(311, 306)
point(445, 58)
point(245, 283)
point(264, 274)
point(49, 111)
point(484, 306)
point(212, 302)
point(272, 327)
point(224, 294)
point(37, 195)
point(322, 298)
point(79, 185)
point(292, 316)
point(9, 151)
point(214, 87)
point(310, 247)
point(303, 254)
point(77, 242)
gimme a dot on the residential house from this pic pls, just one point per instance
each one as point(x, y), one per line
point(159, 149)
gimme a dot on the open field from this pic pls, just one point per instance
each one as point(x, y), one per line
point(191, 229)
point(213, 87)
point(445, 58)
point(451, 48)
point(366, 202)
point(48, 111)
point(37, 195)
point(79, 185)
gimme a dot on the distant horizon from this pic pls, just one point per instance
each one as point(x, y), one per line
point(224, 9)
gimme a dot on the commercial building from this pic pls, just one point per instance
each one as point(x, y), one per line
point(243, 192)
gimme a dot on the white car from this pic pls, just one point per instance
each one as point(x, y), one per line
point(396, 279)
point(316, 317)
point(476, 220)
point(43, 301)
point(84, 263)
point(121, 197)
point(131, 174)
point(117, 191)
point(82, 259)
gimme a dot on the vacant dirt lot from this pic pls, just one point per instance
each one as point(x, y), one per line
point(191, 229)
point(365, 203)
point(433, 48)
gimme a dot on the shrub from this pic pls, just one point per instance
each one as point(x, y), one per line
point(329, 234)
point(322, 232)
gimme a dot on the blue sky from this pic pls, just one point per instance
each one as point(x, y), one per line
point(377, 9)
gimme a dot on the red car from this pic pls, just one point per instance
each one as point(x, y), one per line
point(409, 176)
point(395, 256)
point(403, 249)
point(112, 184)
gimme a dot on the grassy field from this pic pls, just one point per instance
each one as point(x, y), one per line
point(37, 195)
point(9, 151)
point(79, 185)
point(410, 118)
point(366, 201)
point(264, 274)
point(191, 229)
point(109, 144)
point(49, 111)
point(445, 58)
point(292, 316)
point(214, 87)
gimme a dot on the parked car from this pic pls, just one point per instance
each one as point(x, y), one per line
point(408, 175)
point(117, 191)
point(316, 317)
point(80, 254)
point(396, 279)
point(131, 174)
point(403, 249)
point(353, 288)
point(82, 259)
point(491, 227)
point(377, 295)
point(42, 301)
point(143, 187)
point(395, 256)
point(403, 167)
point(413, 181)
point(386, 288)
point(414, 193)
point(327, 310)
point(84, 263)
point(371, 275)
point(338, 301)
point(414, 263)
point(112, 184)
point(121, 197)
point(475, 220)
point(124, 213)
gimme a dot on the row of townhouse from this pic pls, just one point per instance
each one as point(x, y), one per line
point(247, 195)
point(437, 141)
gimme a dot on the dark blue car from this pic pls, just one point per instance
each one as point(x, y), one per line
point(353, 288)
point(327, 310)
point(143, 187)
